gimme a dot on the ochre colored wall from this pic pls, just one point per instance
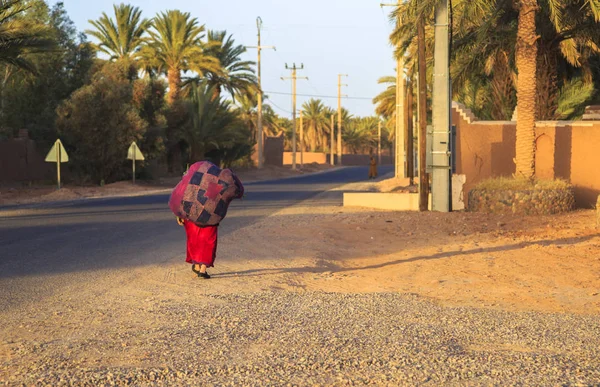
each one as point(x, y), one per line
point(584, 159)
point(568, 150)
point(323, 158)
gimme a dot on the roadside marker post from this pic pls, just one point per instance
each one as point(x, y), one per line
point(57, 155)
point(134, 153)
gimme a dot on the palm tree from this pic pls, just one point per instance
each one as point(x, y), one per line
point(515, 62)
point(247, 111)
point(19, 39)
point(526, 61)
point(122, 38)
point(236, 76)
point(361, 134)
point(213, 125)
point(386, 100)
point(176, 45)
point(316, 120)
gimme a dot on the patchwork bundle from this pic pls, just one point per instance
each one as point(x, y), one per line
point(204, 193)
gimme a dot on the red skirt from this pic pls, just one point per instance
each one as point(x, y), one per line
point(201, 244)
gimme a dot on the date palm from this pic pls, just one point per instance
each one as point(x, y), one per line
point(19, 39)
point(522, 52)
point(174, 46)
point(361, 134)
point(122, 36)
point(316, 120)
point(386, 100)
point(237, 75)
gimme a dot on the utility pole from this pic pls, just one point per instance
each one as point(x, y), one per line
point(440, 187)
point(294, 77)
point(410, 160)
point(400, 164)
point(332, 161)
point(339, 133)
point(259, 131)
point(379, 141)
point(301, 141)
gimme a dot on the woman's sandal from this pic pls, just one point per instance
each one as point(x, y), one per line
point(194, 270)
point(203, 275)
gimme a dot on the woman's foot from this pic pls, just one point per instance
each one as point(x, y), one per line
point(195, 269)
point(202, 273)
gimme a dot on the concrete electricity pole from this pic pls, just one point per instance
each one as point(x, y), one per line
point(400, 163)
point(408, 130)
point(331, 160)
point(259, 131)
point(293, 68)
point(379, 141)
point(301, 141)
point(339, 133)
point(440, 187)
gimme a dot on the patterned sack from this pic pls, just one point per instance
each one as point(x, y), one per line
point(204, 193)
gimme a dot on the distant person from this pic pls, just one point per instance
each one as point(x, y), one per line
point(372, 167)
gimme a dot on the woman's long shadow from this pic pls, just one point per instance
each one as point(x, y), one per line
point(448, 254)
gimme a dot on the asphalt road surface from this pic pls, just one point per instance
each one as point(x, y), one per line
point(83, 237)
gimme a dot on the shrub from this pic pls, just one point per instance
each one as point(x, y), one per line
point(98, 123)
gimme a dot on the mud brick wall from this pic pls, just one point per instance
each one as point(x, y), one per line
point(569, 150)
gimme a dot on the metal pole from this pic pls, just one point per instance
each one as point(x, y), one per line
point(332, 161)
point(440, 188)
point(301, 141)
point(133, 162)
point(379, 142)
point(57, 146)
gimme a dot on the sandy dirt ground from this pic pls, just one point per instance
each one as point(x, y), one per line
point(313, 262)
point(515, 263)
point(11, 194)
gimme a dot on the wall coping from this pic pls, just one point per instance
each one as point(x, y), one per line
point(469, 117)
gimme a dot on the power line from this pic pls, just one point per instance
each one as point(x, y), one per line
point(316, 95)
point(270, 102)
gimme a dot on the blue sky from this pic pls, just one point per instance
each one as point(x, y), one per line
point(327, 36)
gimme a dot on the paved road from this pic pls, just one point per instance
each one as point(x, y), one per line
point(86, 236)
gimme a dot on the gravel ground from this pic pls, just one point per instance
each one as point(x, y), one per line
point(283, 338)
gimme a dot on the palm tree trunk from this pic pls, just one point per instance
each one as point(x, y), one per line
point(216, 93)
point(174, 79)
point(313, 137)
point(526, 58)
point(422, 117)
